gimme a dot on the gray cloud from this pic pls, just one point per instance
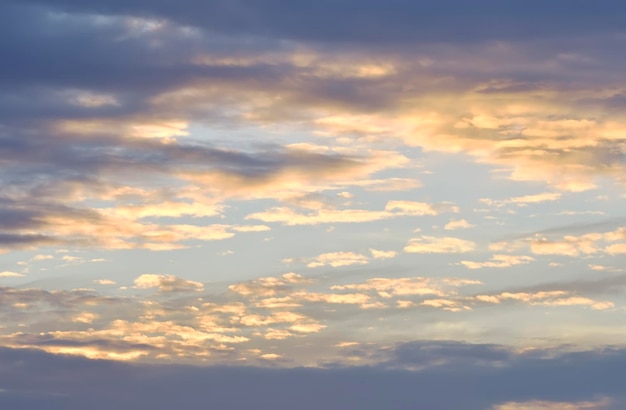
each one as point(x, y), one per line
point(44, 172)
point(475, 377)
point(372, 22)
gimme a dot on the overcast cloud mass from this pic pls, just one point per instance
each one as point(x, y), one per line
point(251, 204)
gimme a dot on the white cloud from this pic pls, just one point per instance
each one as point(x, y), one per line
point(167, 283)
point(420, 208)
point(393, 209)
point(568, 246)
point(337, 259)
point(269, 286)
point(388, 287)
point(523, 200)
point(9, 274)
point(105, 282)
point(85, 317)
point(618, 248)
point(43, 257)
point(333, 298)
point(457, 224)
point(545, 298)
point(431, 244)
point(377, 254)
point(498, 261)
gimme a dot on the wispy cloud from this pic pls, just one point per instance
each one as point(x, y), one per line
point(446, 244)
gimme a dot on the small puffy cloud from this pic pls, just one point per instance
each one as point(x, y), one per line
point(342, 345)
point(105, 282)
point(70, 258)
point(43, 257)
point(337, 259)
point(599, 267)
point(85, 317)
point(377, 254)
point(498, 261)
point(457, 224)
point(445, 304)
point(167, 283)
point(307, 327)
point(277, 303)
point(615, 249)
point(615, 235)
point(270, 356)
point(277, 334)
point(292, 277)
point(431, 244)
point(9, 274)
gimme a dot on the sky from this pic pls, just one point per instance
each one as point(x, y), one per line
point(267, 204)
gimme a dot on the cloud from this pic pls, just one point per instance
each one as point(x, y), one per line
point(269, 286)
point(131, 109)
point(337, 259)
point(388, 287)
point(105, 282)
point(378, 254)
point(9, 274)
point(615, 249)
point(431, 244)
point(498, 261)
point(419, 208)
point(587, 244)
point(185, 322)
point(551, 405)
point(85, 317)
point(393, 209)
point(43, 257)
point(167, 283)
point(136, 125)
point(569, 246)
point(251, 228)
point(501, 377)
point(373, 24)
point(458, 224)
point(341, 299)
point(445, 304)
point(546, 298)
point(232, 81)
point(523, 200)
point(389, 184)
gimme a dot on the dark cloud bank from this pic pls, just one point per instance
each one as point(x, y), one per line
point(373, 21)
point(465, 377)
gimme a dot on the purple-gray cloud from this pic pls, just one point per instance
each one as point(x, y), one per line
point(472, 377)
